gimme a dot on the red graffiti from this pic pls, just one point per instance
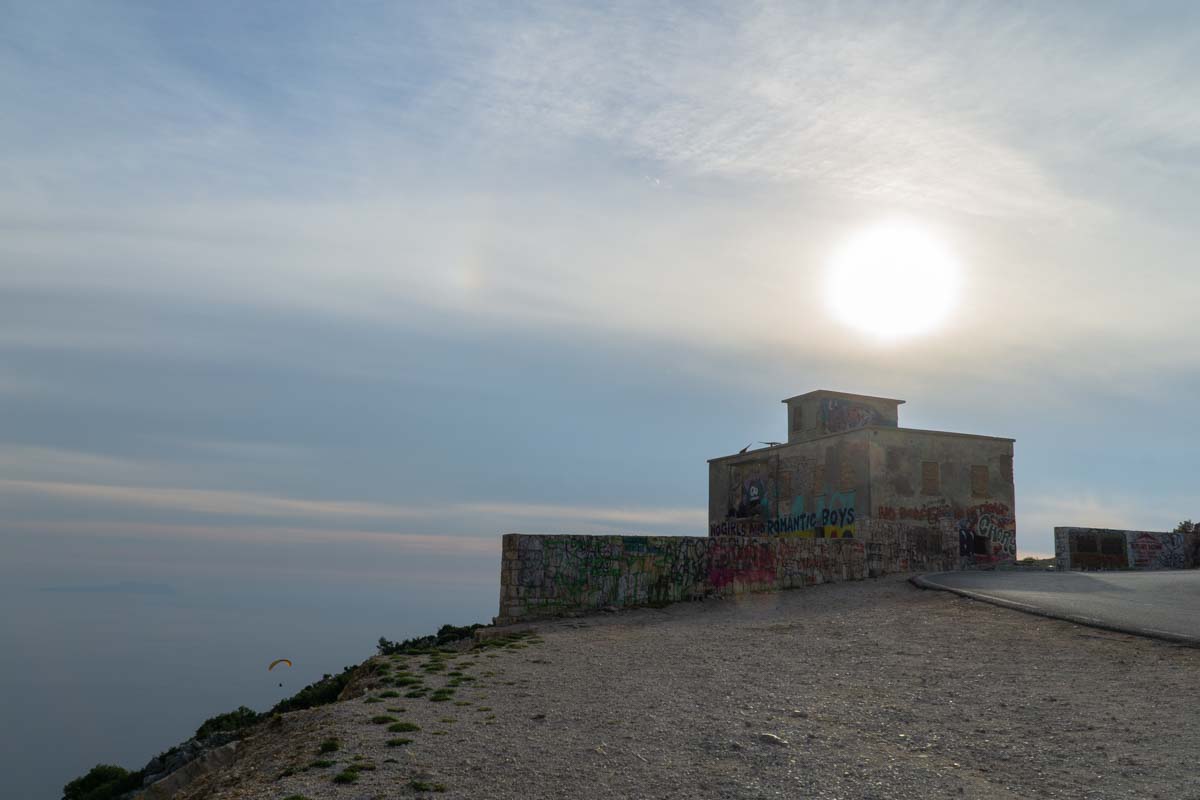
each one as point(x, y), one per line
point(752, 562)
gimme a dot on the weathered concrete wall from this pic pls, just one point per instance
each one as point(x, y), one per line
point(951, 479)
point(816, 489)
point(544, 576)
point(1107, 548)
point(823, 412)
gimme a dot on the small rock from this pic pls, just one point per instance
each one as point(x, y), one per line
point(770, 738)
point(609, 609)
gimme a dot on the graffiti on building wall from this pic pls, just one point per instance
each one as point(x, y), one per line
point(737, 527)
point(832, 517)
point(987, 532)
point(768, 498)
point(839, 415)
point(928, 512)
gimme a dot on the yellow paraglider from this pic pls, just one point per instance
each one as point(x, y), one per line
point(278, 661)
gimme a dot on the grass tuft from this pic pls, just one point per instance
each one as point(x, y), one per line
point(404, 727)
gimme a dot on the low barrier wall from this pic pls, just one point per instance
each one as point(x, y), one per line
point(545, 576)
point(1107, 548)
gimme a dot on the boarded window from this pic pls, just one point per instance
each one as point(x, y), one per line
point(819, 479)
point(930, 484)
point(1085, 543)
point(846, 478)
point(979, 480)
point(797, 419)
point(1112, 544)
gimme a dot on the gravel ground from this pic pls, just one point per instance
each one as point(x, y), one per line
point(871, 689)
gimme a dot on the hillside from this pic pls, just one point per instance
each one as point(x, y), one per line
point(870, 689)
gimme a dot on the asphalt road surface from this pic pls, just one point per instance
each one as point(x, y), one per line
point(1164, 604)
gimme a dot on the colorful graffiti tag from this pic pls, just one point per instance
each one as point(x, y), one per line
point(737, 527)
point(832, 518)
point(843, 415)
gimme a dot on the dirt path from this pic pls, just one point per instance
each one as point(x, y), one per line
point(872, 689)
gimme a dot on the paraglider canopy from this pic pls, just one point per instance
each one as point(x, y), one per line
point(278, 661)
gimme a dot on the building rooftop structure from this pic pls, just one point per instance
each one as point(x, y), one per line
point(847, 459)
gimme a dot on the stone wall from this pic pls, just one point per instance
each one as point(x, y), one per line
point(545, 576)
point(1107, 548)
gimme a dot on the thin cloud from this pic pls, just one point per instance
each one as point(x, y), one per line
point(251, 504)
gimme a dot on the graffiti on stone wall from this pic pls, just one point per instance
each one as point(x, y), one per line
point(1156, 550)
point(839, 415)
point(1099, 549)
point(550, 575)
point(748, 561)
point(1102, 548)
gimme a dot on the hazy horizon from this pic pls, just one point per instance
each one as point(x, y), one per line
point(333, 296)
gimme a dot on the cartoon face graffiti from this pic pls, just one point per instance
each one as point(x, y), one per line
point(754, 495)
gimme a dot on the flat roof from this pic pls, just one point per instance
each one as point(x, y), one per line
point(763, 450)
point(848, 395)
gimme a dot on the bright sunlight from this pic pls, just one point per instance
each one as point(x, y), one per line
point(893, 280)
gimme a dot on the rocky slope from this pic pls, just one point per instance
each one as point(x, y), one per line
point(859, 690)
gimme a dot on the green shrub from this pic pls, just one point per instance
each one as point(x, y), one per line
point(383, 719)
point(230, 722)
point(103, 782)
point(320, 693)
point(398, 742)
point(389, 693)
point(321, 763)
point(329, 746)
point(346, 776)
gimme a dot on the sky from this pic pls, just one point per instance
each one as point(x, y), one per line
point(338, 293)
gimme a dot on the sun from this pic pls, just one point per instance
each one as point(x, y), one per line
point(893, 280)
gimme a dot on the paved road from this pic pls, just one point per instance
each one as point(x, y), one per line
point(1164, 604)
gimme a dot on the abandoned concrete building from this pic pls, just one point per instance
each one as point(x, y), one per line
point(847, 461)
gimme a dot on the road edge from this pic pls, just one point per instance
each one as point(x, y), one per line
point(926, 582)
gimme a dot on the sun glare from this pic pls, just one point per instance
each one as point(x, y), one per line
point(893, 280)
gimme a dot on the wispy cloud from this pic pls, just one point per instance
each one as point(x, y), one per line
point(259, 505)
point(1039, 514)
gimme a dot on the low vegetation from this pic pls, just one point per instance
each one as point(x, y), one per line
point(102, 782)
point(446, 634)
point(404, 727)
point(109, 781)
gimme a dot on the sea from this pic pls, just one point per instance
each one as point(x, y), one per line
point(115, 670)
